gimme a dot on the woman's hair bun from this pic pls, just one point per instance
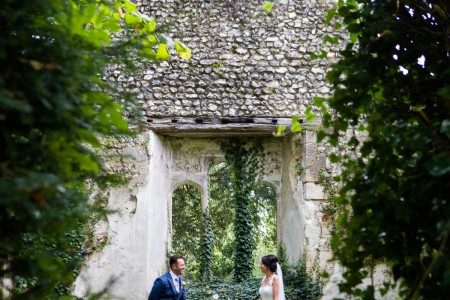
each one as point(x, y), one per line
point(270, 261)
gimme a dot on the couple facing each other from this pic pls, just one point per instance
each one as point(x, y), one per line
point(170, 285)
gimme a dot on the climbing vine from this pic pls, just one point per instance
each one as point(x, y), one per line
point(245, 167)
point(207, 245)
point(332, 209)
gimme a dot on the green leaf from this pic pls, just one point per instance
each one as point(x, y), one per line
point(150, 26)
point(280, 130)
point(310, 116)
point(162, 53)
point(323, 54)
point(183, 51)
point(89, 137)
point(334, 158)
point(330, 14)
point(296, 127)
point(319, 101)
point(354, 37)
point(112, 25)
point(439, 165)
point(268, 6)
point(129, 6)
point(321, 135)
point(132, 20)
point(331, 40)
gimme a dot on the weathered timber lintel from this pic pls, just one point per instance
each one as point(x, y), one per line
point(219, 126)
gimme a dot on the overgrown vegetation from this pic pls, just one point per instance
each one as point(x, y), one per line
point(207, 246)
point(53, 109)
point(391, 85)
point(191, 239)
point(244, 166)
point(187, 227)
point(300, 283)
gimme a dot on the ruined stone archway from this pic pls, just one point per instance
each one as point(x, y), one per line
point(244, 79)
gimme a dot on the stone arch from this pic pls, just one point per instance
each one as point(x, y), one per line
point(200, 182)
point(186, 224)
point(173, 187)
point(267, 239)
point(276, 186)
point(194, 183)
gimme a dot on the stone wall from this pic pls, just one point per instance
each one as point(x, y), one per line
point(245, 62)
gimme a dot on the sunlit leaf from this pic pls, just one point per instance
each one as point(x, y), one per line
point(131, 19)
point(129, 6)
point(310, 116)
point(183, 51)
point(280, 130)
point(150, 26)
point(296, 127)
point(162, 53)
point(268, 6)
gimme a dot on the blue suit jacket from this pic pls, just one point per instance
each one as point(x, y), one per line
point(164, 289)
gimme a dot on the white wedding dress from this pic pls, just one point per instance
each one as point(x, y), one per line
point(266, 291)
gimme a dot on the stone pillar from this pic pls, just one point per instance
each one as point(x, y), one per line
point(290, 206)
point(316, 233)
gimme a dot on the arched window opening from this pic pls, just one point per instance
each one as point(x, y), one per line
point(264, 212)
point(187, 226)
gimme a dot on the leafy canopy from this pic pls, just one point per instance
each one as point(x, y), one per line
point(53, 108)
point(392, 86)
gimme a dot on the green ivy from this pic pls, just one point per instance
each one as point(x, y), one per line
point(206, 246)
point(300, 283)
point(245, 166)
point(390, 107)
point(187, 228)
point(247, 290)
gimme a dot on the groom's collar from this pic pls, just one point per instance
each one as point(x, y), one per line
point(172, 274)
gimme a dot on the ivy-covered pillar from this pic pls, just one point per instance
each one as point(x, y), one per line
point(244, 165)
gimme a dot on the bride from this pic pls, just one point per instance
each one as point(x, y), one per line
point(272, 287)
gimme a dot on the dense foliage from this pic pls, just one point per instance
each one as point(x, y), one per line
point(208, 241)
point(206, 246)
point(187, 227)
point(392, 86)
point(244, 166)
point(299, 283)
point(247, 290)
point(262, 206)
point(53, 107)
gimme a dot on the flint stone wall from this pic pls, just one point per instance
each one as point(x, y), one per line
point(245, 62)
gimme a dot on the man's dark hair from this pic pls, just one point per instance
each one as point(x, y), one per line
point(174, 258)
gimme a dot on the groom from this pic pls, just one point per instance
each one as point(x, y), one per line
point(169, 286)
